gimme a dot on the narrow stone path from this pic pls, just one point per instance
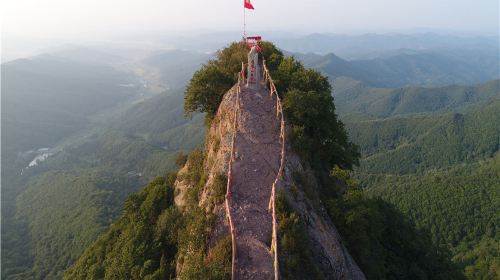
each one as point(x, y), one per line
point(257, 160)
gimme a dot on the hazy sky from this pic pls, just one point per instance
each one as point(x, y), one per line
point(88, 18)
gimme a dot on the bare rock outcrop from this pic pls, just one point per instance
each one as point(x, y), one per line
point(257, 160)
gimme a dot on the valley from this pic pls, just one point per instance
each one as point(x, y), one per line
point(98, 155)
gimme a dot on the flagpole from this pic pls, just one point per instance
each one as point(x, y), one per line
point(244, 22)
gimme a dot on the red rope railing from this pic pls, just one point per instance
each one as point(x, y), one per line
point(241, 79)
point(272, 200)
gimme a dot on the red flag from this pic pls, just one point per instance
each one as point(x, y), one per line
point(248, 5)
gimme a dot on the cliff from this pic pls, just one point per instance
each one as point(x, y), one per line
point(256, 163)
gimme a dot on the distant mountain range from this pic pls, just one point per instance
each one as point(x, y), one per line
point(399, 68)
point(176, 66)
point(369, 46)
point(422, 68)
point(348, 46)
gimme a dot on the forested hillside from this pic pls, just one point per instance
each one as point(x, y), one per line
point(86, 181)
point(161, 121)
point(97, 155)
point(443, 171)
point(410, 144)
point(142, 243)
point(44, 100)
point(458, 205)
point(75, 195)
point(356, 100)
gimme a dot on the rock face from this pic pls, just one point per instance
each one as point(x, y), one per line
point(254, 169)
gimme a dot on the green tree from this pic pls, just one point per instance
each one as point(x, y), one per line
point(317, 134)
point(204, 92)
point(207, 86)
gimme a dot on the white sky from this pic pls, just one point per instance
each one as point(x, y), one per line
point(88, 18)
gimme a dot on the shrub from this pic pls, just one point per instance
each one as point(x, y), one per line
point(204, 92)
point(317, 134)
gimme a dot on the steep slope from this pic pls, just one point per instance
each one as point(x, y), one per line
point(256, 164)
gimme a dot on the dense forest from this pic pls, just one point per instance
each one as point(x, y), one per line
point(458, 205)
point(442, 171)
point(412, 144)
